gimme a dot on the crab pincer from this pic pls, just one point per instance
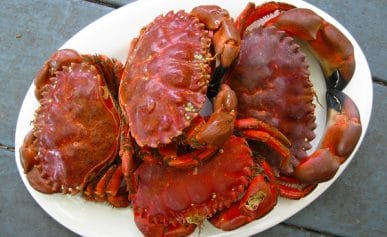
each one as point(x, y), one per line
point(340, 138)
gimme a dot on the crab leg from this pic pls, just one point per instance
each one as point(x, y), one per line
point(126, 154)
point(253, 129)
point(252, 123)
point(108, 188)
point(187, 160)
point(331, 47)
point(271, 142)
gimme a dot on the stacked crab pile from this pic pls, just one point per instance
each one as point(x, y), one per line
point(133, 135)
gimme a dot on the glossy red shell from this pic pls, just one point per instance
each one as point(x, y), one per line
point(165, 80)
point(77, 127)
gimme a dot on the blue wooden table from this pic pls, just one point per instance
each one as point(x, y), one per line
point(355, 205)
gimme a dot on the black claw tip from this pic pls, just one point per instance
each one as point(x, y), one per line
point(336, 81)
point(335, 99)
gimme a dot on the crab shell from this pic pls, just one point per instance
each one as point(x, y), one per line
point(168, 196)
point(271, 80)
point(165, 80)
point(77, 126)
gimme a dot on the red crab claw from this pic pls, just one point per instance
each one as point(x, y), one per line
point(258, 200)
point(219, 126)
point(226, 38)
point(205, 136)
point(330, 46)
point(341, 136)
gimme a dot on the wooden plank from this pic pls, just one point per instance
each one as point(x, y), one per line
point(20, 215)
point(30, 33)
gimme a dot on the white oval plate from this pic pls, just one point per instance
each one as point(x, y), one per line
point(111, 35)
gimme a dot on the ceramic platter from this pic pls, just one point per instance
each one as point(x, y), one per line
point(111, 35)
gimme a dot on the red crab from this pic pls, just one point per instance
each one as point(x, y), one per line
point(168, 70)
point(271, 80)
point(75, 138)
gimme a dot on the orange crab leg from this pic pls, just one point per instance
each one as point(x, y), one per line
point(108, 188)
point(188, 160)
point(126, 154)
point(251, 13)
point(103, 182)
point(252, 123)
point(292, 188)
point(114, 184)
point(270, 141)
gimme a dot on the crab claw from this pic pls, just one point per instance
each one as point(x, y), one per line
point(329, 45)
point(342, 134)
point(226, 37)
point(258, 200)
point(220, 125)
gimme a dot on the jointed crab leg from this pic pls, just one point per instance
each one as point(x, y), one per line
point(187, 160)
point(127, 158)
point(252, 123)
point(108, 188)
point(254, 129)
point(292, 188)
point(271, 142)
